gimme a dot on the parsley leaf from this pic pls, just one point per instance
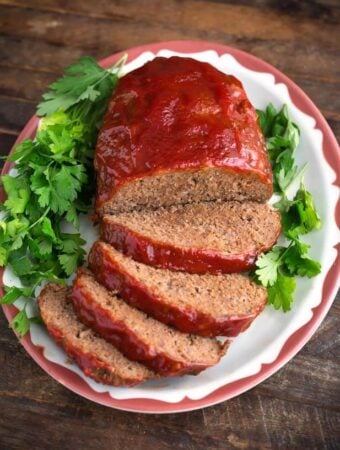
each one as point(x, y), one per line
point(83, 81)
point(47, 229)
point(280, 294)
point(21, 323)
point(298, 263)
point(70, 262)
point(299, 215)
point(13, 293)
point(268, 265)
point(18, 193)
point(72, 252)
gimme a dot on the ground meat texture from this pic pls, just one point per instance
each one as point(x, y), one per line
point(97, 358)
point(207, 305)
point(214, 237)
point(139, 337)
point(179, 131)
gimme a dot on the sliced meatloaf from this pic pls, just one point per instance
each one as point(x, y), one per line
point(207, 305)
point(179, 131)
point(206, 237)
point(97, 358)
point(139, 337)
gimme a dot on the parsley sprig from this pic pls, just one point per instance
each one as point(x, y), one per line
point(277, 269)
point(52, 183)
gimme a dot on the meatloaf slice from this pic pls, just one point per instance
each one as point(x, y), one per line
point(178, 131)
point(206, 237)
point(207, 305)
point(97, 358)
point(139, 337)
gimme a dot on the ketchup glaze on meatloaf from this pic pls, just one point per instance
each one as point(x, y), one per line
point(178, 131)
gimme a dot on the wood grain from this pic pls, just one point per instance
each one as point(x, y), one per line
point(296, 408)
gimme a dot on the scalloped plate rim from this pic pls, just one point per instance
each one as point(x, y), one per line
point(279, 361)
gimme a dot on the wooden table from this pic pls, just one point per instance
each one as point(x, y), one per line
point(298, 408)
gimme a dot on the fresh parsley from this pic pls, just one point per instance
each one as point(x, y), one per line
point(278, 268)
point(53, 183)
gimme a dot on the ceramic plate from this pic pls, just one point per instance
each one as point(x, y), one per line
point(275, 337)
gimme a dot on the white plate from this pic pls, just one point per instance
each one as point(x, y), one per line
point(263, 341)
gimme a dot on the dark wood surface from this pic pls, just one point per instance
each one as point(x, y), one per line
point(297, 408)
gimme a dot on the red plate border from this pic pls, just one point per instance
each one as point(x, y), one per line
point(295, 342)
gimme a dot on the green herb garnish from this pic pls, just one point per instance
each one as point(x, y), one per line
point(278, 268)
point(53, 183)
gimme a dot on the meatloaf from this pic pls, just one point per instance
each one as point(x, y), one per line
point(198, 238)
point(139, 337)
point(207, 305)
point(97, 358)
point(179, 131)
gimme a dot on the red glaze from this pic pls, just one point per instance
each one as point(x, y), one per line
point(177, 114)
point(123, 338)
point(89, 363)
point(108, 272)
point(159, 254)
